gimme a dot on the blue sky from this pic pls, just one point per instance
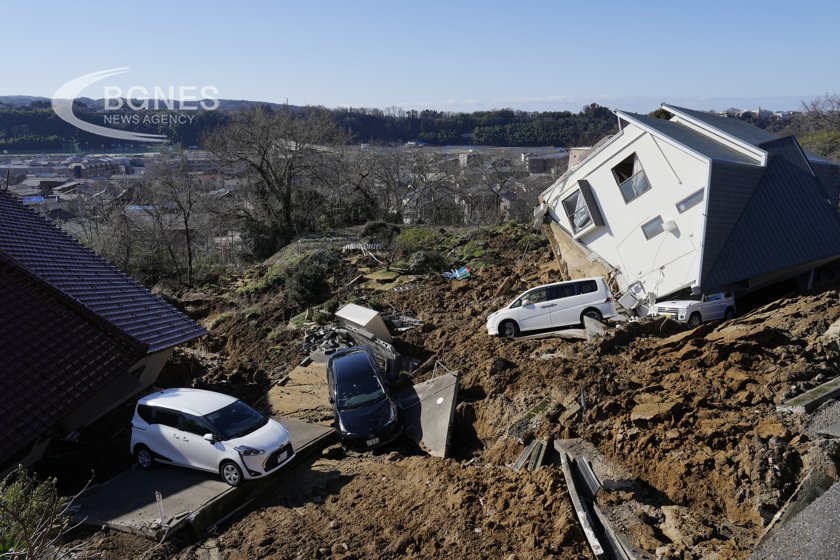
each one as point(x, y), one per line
point(444, 55)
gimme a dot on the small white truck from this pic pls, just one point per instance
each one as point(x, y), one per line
point(697, 308)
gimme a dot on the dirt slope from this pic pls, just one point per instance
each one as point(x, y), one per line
point(690, 413)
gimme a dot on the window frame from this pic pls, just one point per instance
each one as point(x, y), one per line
point(647, 223)
point(570, 215)
point(634, 158)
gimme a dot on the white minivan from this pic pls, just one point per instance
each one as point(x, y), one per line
point(208, 431)
point(553, 305)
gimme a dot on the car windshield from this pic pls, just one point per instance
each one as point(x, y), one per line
point(236, 420)
point(358, 387)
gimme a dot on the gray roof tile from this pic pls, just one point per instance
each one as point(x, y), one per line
point(692, 139)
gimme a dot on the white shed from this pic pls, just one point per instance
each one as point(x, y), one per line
point(364, 318)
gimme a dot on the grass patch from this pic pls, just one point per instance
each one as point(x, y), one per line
point(252, 312)
point(221, 318)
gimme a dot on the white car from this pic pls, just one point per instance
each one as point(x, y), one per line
point(698, 308)
point(208, 431)
point(553, 305)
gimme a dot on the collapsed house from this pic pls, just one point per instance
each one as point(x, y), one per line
point(697, 201)
point(78, 337)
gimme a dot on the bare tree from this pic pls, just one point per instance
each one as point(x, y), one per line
point(279, 151)
point(823, 113)
point(174, 192)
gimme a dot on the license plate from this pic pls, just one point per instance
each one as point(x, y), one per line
point(373, 441)
point(668, 315)
point(282, 456)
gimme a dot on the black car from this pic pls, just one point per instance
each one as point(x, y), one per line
point(365, 414)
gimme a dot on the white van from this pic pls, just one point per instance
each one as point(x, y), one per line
point(553, 305)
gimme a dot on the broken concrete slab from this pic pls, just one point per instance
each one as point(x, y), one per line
point(303, 395)
point(594, 328)
point(428, 411)
point(571, 334)
point(128, 501)
point(832, 430)
point(610, 475)
point(581, 510)
point(810, 400)
point(811, 534)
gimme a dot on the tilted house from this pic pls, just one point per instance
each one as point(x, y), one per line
point(78, 337)
point(698, 201)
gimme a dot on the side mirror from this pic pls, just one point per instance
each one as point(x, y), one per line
point(526, 302)
point(210, 437)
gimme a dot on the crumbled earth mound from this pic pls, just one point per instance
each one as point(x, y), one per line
point(412, 507)
point(691, 413)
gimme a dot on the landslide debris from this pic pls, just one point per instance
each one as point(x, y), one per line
point(690, 413)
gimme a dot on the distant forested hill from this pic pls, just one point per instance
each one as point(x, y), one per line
point(28, 123)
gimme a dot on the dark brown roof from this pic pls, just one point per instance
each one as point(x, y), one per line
point(86, 281)
point(52, 361)
point(70, 324)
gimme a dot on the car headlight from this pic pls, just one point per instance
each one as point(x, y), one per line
point(248, 451)
point(392, 416)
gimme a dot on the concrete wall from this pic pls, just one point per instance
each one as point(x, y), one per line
point(667, 261)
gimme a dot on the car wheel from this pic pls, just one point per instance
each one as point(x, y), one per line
point(144, 457)
point(694, 320)
point(592, 314)
point(509, 329)
point(231, 473)
point(728, 314)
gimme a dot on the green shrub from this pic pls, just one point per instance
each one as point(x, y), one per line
point(426, 261)
point(331, 306)
point(415, 239)
point(32, 516)
point(380, 232)
point(322, 317)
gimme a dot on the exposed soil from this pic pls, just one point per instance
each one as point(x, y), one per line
point(691, 413)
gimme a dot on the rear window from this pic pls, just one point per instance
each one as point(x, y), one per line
point(144, 411)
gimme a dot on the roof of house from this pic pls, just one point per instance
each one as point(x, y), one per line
point(784, 219)
point(72, 323)
point(53, 360)
point(690, 138)
point(741, 130)
point(88, 283)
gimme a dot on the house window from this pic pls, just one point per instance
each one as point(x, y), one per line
point(577, 212)
point(653, 227)
point(690, 201)
point(631, 178)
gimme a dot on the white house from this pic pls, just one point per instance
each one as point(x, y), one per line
point(698, 201)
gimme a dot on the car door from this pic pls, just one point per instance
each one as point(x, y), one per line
point(536, 314)
point(197, 451)
point(712, 307)
point(568, 308)
point(164, 435)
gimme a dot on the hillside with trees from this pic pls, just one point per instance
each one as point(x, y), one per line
point(32, 125)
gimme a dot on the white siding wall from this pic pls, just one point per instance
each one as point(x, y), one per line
point(668, 261)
